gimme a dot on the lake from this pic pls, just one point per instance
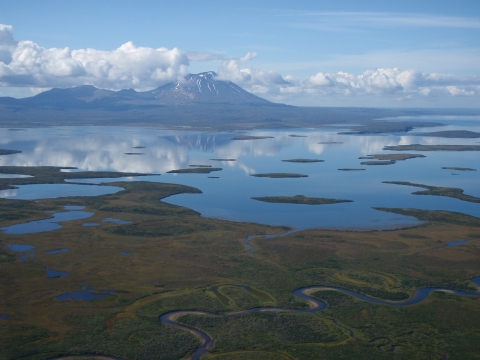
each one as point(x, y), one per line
point(92, 148)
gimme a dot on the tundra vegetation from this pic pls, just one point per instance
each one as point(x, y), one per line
point(175, 257)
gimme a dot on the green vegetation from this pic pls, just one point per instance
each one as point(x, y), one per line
point(392, 157)
point(197, 170)
point(438, 191)
point(418, 147)
point(452, 134)
point(303, 160)
point(177, 256)
point(52, 175)
point(9, 152)
point(458, 168)
point(280, 175)
point(299, 199)
point(250, 137)
point(386, 162)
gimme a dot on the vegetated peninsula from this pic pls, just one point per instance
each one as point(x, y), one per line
point(388, 159)
point(438, 191)
point(299, 199)
point(418, 147)
point(452, 134)
point(280, 175)
point(458, 168)
point(303, 160)
point(251, 137)
point(350, 169)
point(197, 170)
point(9, 152)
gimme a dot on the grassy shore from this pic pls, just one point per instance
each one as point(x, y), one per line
point(299, 199)
point(175, 256)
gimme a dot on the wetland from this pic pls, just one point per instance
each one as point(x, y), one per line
point(184, 267)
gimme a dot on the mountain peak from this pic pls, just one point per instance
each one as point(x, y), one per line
point(204, 88)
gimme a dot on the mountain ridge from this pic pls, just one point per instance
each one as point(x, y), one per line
point(196, 88)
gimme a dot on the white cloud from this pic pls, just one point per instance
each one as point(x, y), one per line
point(340, 21)
point(26, 63)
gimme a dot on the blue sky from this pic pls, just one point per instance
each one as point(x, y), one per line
point(321, 53)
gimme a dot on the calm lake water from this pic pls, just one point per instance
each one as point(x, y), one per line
point(228, 196)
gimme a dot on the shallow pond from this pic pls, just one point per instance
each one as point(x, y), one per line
point(46, 224)
point(229, 196)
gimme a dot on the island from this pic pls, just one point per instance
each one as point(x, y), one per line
point(299, 199)
point(138, 147)
point(303, 160)
point(350, 169)
point(379, 162)
point(132, 153)
point(459, 168)
point(330, 142)
point(250, 137)
point(9, 152)
point(452, 134)
point(293, 135)
point(437, 191)
point(280, 175)
point(223, 159)
point(392, 157)
point(418, 147)
point(197, 170)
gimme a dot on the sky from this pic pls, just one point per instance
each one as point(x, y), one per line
point(314, 53)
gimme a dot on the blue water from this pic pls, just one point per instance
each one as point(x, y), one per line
point(103, 148)
point(46, 224)
point(57, 251)
point(116, 221)
point(80, 295)
point(90, 224)
point(124, 253)
point(4, 316)
point(21, 247)
point(456, 243)
point(55, 273)
point(49, 191)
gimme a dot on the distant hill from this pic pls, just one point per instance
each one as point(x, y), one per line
point(196, 88)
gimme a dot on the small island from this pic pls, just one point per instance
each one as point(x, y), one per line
point(280, 175)
point(350, 169)
point(9, 152)
point(458, 168)
point(418, 147)
point(299, 199)
point(250, 137)
point(138, 147)
point(132, 153)
point(452, 134)
point(303, 160)
point(392, 157)
point(437, 191)
point(293, 135)
point(198, 170)
point(223, 159)
point(379, 162)
point(330, 142)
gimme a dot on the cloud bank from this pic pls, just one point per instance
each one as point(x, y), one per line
point(393, 82)
point(27, 64)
